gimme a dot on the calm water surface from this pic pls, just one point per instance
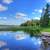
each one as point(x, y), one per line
point(19, 41)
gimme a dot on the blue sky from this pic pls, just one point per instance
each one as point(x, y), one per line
point(15, 12)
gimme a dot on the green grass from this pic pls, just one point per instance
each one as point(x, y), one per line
point(45, 29)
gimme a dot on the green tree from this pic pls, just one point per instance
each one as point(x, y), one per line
point(31, 23)
point(28, 23)
point(44, 21)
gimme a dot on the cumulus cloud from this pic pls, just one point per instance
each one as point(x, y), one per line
point(48, 1)
point(20, 37)
point(38, 10)
point(7, 1)
point(3, 8)
point(20, 15)
point(36, 18)
point(2, 43)
point(26, 18)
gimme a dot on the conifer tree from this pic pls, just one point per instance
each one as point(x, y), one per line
point(44, 21)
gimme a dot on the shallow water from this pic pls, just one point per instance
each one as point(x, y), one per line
point(19, 41)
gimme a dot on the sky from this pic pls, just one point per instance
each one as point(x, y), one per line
point(15, 12)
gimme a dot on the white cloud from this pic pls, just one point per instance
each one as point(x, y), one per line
point(3, 18)
point(2, 43)
point(3, 8)
point(26, 18)
point(36, 18)
point(38, 10)
point(7, 1)
point(48, 1)
point(20, 15)
point(20, 37)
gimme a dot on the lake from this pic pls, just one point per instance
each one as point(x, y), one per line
point(19, 41)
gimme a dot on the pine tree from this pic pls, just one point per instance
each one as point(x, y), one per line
point(44, 21)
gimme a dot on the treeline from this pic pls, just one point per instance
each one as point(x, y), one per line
point(31, 23)
point(45, 18)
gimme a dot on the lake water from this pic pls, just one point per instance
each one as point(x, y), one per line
point(19, 41)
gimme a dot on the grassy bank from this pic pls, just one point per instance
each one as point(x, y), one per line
point(45, 29)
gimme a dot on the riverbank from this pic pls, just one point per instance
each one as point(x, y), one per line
point(45, 29)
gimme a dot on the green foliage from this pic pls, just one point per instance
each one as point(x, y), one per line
point(32, 27)
point(34, 31)
point(31, 23)
point(45, 29)
point(28, 23)
point(44, 21)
